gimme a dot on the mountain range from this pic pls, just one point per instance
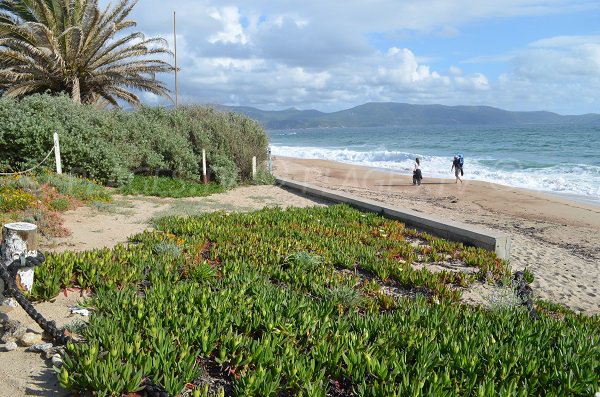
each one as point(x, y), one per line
point(381, 114)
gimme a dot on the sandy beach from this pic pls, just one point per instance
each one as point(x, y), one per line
point(556, 238)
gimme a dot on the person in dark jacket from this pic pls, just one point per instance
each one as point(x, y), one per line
point(417, 176)
point(457, 167)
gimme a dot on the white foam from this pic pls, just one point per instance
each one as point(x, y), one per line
point(572, 179)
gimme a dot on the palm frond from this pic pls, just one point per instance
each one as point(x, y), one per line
point(69, 46)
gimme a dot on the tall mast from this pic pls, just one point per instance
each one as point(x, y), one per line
point(175, 45)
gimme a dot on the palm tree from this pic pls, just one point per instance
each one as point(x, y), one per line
point(72, 47)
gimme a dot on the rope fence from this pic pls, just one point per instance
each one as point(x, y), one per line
point(55, 149)
point(29, 169)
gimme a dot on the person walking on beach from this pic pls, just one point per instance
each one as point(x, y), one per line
point(417, 176)
point(457, 167)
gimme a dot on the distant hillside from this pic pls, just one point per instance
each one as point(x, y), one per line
point(376, 114)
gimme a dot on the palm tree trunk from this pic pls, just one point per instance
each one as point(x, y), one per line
point(76, 91)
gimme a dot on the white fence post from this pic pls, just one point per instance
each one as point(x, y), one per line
point(204, 178)
point(57, 154)
point(253, 167)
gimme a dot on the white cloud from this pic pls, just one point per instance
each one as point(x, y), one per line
point(455, 71)
point(400, 67)
point(476, 82)
point(317, 54)
point(232, 31)
point(559, 58)
point(566, 41)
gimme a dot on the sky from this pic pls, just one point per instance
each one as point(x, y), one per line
point(519, 55)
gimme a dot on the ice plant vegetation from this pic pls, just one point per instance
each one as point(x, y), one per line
point(299, 302)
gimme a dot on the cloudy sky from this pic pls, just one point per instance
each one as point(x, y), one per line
point(331, 55)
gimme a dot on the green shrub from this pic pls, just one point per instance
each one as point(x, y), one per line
point(225, 171)
point(233, 135)
point(264, 178)
point(59, 204)
point(111, 145)
point(528, 276)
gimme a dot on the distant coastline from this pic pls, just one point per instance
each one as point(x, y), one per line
point(383, 114)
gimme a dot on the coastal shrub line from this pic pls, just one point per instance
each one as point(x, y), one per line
point(312, 302)
point(112, 145)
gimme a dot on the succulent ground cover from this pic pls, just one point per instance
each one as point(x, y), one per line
point(297, 302)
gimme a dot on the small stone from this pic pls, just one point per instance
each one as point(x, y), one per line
point(8, 305)
point(53, 351)
point(57, 361)
point(79, 310)
point(14, 328)
point(40, 347)
point(7, 338)
point(10, 346)
point(30, 339)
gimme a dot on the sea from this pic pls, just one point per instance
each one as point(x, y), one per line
point(561, 159)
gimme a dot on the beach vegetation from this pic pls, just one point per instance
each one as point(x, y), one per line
point(168, 187)
point(528, 276)
point(111, 146)
point(38, 198)
point(263, 177)
point(78, 49)
point(316, 301)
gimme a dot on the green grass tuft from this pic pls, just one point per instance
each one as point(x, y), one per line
point(168, 187)
point(82, 189)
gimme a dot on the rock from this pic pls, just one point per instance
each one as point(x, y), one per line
point(57, 361)
point(53, 351)
point(79, 310)
point(40, 347)
point(10, 346)
point(14, 328)
point(7, 338)
point(30, 339)
point(8, 305)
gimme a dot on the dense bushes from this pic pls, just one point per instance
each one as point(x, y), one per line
point(111, 145)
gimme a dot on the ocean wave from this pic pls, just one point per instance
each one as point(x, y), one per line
point(284, 133)
point(572, 179)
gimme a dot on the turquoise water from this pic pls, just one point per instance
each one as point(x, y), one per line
point(554, 158)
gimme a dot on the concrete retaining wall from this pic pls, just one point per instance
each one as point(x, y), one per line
point(449, 230)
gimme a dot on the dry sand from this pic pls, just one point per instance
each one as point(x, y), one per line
point(557, 239)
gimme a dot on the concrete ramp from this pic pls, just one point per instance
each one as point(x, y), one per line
point(446, 229)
